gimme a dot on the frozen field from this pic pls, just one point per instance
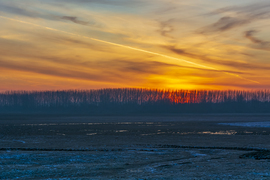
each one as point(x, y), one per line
point(142, 147)
point(250, 124)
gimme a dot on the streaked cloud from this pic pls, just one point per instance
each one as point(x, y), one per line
point(259, 44)
point(237, 16)
point(225, 62)
point(75, 20)
point(233, 39)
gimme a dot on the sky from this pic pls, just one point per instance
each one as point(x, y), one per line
point(165, 44)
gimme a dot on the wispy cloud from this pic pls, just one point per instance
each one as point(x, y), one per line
point(135, 43)
point(258, 44)
point(101, 71)
point(166, 28)
point(225, 62)
point(236, 16)
point(75, 20)
point(24, 10)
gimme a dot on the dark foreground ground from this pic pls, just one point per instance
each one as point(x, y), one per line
point(141, 147)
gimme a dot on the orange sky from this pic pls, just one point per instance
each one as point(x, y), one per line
point(176, 45)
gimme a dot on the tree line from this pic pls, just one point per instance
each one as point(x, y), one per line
point(132, 100)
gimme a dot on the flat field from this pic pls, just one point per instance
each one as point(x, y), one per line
point(138, 147)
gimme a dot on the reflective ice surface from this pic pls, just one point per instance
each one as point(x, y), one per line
point(132, 148)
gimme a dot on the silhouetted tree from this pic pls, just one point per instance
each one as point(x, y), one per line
point(130, 100)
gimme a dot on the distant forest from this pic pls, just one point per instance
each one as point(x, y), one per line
point(134, 101)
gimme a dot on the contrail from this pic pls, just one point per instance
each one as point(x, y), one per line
point(128, 47)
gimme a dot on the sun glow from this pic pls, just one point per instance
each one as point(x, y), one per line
point(193, 64)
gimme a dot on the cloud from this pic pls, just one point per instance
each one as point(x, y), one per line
point(110, 71)
point(93, 1)
point(166, 28)
point(146, 67)
point(249, 35)
point(23, 10)
point(64, 72)
point(130, 3)
point(100, 71)
point(237, 16)
point(75, 20)
point(11, 8)
point(258, 44)
point(225, 23)
point(42, 14)
point(42, 43)
point(238, 65)
point(235, 84)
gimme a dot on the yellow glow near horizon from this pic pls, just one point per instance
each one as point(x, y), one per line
point(129, 47)
point(92, 45)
